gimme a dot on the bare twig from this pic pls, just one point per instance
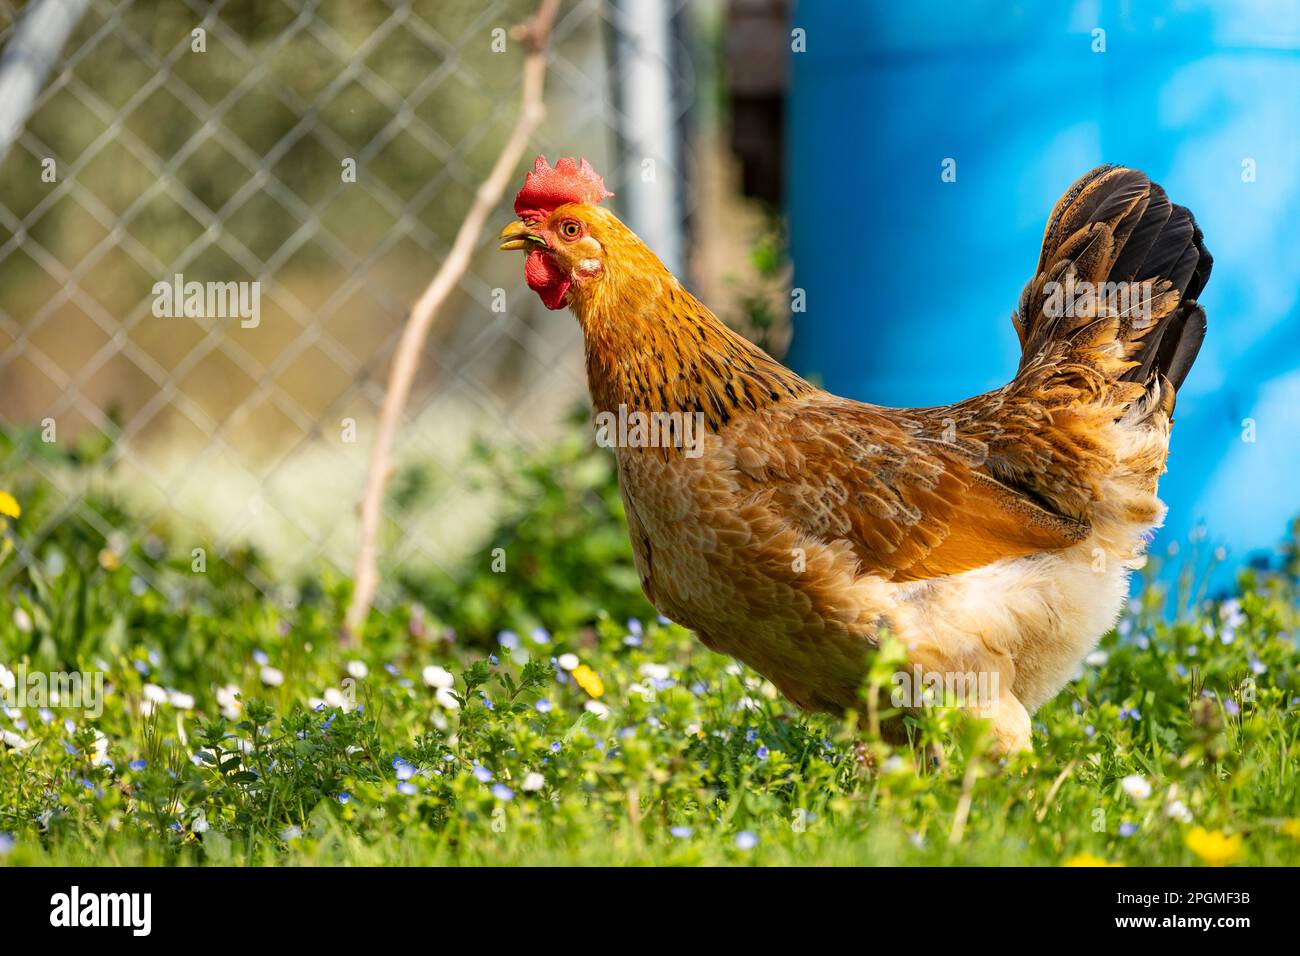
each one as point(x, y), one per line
point(962, 812)
point(1051, 793)
point(534, 33)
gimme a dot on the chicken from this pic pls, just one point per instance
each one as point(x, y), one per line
point(991, 537)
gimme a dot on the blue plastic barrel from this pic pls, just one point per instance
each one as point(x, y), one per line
point(910, 280)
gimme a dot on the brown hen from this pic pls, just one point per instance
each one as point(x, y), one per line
point(794, 529)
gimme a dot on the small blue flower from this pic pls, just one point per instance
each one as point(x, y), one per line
point(682, 833)
point(260, 658)
point(544, 706)
point(746, 840)
point(508, 639)
point(555, 746)
point(493, 660)
point(634, 626)
point(142, 668)
point(1127, 829)
point(540, 635)
point(1231, 707)
point(345, 797)
point(751, 735)
point(138, 764)
point(406, 788)
point(481, 774)
point(502, 792)
point(762, 753)
point(392, 669)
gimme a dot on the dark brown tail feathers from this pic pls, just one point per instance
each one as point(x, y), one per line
point(1116, 226)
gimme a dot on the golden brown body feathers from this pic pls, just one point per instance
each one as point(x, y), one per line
point(992, 535)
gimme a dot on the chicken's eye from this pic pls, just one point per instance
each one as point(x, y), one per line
point(569, 229)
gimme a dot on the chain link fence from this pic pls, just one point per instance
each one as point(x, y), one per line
point(307, 163)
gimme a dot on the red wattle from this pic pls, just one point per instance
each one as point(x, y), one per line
point(546, 279)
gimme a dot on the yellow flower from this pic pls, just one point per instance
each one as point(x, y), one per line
point(108, 559)
point(589, 680)
point(1214, 846)
point(1291, 828)
point(1087, 859)
point(9, 505)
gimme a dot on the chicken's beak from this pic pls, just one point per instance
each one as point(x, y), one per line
point(517, 236)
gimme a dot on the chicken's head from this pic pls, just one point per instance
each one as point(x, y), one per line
point(560, 226)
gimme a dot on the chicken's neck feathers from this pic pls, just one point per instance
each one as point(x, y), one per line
point(651, 346)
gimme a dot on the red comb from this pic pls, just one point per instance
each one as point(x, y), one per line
point(546, 189)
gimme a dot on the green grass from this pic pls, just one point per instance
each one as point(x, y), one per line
point(683, 758)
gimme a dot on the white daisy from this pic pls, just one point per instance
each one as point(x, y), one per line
point(438, 677)
point(655, 671)
point(229, 702)
point(358, 670)
point(445, 700)
point(1136, 786)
